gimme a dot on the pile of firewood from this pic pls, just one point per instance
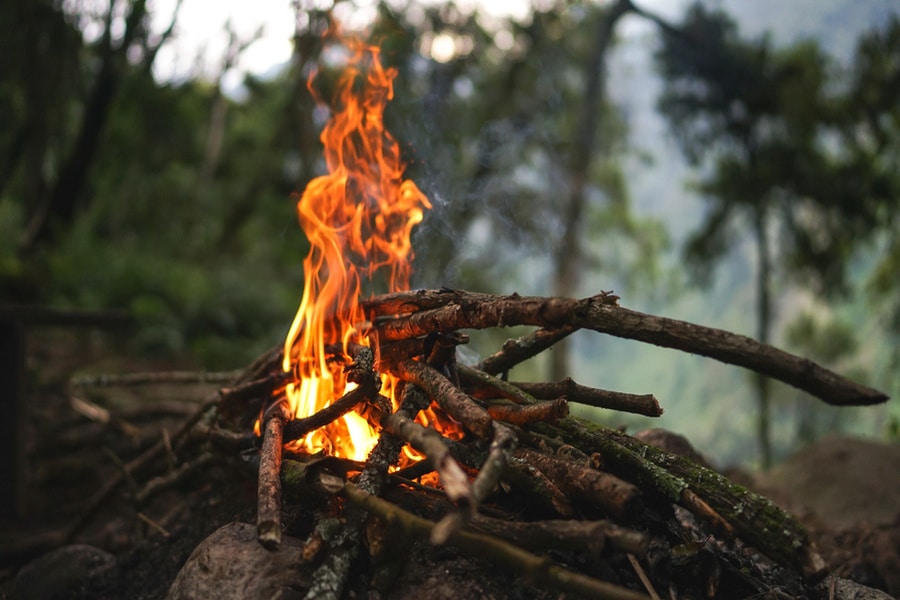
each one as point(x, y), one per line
point(526, 481)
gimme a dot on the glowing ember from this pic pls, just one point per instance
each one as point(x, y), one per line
point(358, 219)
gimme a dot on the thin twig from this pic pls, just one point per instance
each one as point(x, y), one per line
point(642, 575)
point(153, 378)
point(153, 524)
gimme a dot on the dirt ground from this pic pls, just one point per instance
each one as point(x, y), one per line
point(846, 491)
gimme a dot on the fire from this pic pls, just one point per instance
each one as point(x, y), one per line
point(358, 218)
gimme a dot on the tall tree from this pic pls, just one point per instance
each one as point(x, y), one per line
point(568, 254)
point(125, 35)
point(758, 119)
point(870, 122)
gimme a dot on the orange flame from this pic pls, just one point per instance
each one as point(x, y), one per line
point(358, 219)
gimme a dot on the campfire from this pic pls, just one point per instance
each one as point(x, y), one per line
point(375, 442)
point(367, 403)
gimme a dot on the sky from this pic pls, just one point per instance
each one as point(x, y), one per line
point(200, 38)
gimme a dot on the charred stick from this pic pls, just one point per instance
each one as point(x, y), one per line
point(361, 372)
point(522, 415)
point(640, 404)
point(430, 443)
point(297, 428)
point(401, 303)
point(588, 536)
point(387, 449)
point(498, 457)
point(488, 477)
point(457, 403)
point(540, 569)
point(413, 471)
point(598, 488)
point(527, 479)
point(268, 518)
point(523, 348)
point(602, 314)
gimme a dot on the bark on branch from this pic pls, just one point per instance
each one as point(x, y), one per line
point(601, 313)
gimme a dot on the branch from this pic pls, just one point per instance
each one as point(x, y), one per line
point(268, 518)
point(458, 404)
point(639, 404)
point(601, 313)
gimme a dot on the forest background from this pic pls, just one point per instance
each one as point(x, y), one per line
point(728, 163)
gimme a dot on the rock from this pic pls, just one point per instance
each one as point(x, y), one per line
point(845, 589)
point(60, 573)
point(846, 491)
point(230, 564)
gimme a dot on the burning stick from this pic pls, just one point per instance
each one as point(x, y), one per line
point(602, 313)
point(329, 579)
point(362, 373)
point(488, 477)
point(430, 443)
point(451, 398)
point(268, 519)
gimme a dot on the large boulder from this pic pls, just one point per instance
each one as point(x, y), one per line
point(230, 564)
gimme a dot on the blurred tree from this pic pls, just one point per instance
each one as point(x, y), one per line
point(870, 123)
point(762, 120)
point(181, 208)
point(125, 43)
point(829, 342)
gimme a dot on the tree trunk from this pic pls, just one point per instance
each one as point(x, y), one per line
point(764, 325)
point(566, 259)
point(62, 203)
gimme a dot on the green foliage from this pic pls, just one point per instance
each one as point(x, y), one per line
point(196, 234)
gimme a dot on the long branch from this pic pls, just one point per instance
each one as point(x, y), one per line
point(601, 313)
